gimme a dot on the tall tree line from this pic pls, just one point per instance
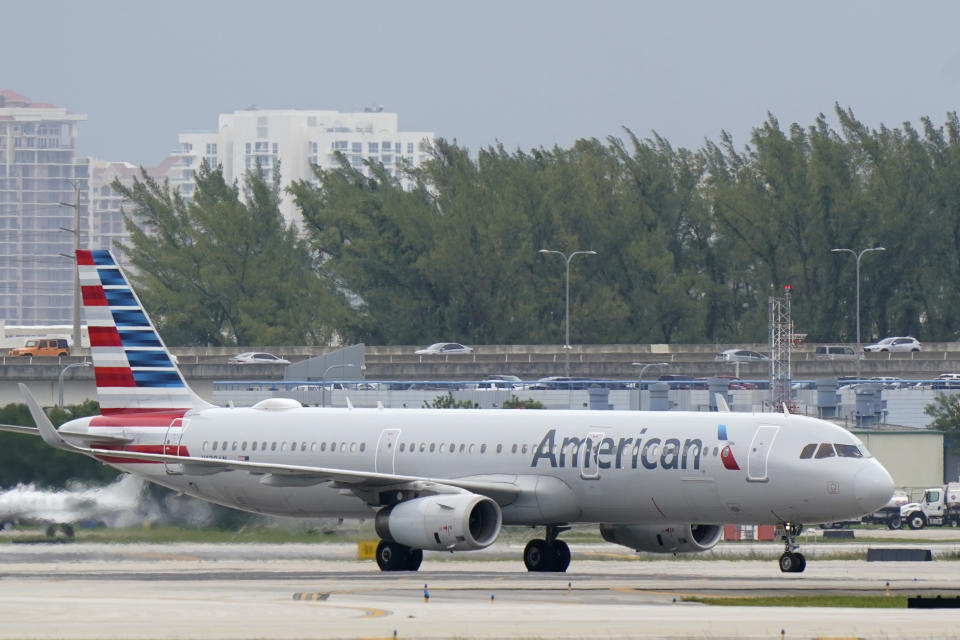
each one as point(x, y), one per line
point(690, 243)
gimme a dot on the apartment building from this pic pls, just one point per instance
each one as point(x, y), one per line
point(39, 170)
point(292, 140)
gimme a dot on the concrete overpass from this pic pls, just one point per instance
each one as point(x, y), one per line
point(203, 365)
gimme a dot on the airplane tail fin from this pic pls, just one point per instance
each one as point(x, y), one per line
point(135, 372)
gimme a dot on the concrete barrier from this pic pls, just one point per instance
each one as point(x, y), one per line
point(899, 555)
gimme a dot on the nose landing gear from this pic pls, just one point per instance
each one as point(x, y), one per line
point(792, 561)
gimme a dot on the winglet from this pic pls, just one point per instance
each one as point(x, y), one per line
point(46, 428)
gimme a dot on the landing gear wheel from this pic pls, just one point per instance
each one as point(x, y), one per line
point(67, 530)
point(562, 555)
point(792, 562)
point(538, 555)
point(392, 556)
point(414, 558)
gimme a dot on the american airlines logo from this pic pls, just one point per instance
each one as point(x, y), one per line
point(622, 453)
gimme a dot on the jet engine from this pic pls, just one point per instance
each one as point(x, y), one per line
point(681, 538)
point(447, 522)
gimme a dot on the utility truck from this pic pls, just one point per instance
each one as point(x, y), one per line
point(889, 514)
point(940, 506)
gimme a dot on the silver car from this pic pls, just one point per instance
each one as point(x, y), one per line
point(895, 343)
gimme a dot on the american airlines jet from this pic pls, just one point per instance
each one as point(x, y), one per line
point(449, 480)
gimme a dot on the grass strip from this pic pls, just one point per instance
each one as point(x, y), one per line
point(823, 600)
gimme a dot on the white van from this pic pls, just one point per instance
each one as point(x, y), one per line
point(835, 352)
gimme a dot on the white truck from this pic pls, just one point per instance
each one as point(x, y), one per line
point(940, 506)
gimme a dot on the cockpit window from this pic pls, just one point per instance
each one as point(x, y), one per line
point(808, 451)
point(825, 450)
point(848, 451)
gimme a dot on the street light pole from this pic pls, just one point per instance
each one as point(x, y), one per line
point(323, 379)
point(85, 363)
point(567, 259)
point(643, 367)
point(76, 271)
point(858, 256)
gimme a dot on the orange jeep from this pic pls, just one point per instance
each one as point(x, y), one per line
point(42, 347)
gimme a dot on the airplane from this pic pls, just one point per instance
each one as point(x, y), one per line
point(662, 482)
point(114, 503)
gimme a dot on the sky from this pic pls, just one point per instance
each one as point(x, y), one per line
point(524, 74)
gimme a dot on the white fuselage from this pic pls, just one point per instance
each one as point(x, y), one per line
point(642, 467)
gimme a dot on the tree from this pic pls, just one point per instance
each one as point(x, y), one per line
point(448, 402)
point(225, 269)
point(945, 411)
point(28, 459)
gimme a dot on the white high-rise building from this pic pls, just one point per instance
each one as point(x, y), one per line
point(39, 170)
point(293, 140)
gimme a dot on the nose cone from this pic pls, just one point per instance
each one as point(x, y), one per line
point(873, 487)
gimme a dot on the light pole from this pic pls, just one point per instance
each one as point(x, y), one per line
point(76, 272)
point(858, 256)
point(323, 378)
point(567, 259)
point(643, 367)
point(85, 363)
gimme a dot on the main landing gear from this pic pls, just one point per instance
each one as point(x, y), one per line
point(792, 561)
point(550, 555)
point(393, 556)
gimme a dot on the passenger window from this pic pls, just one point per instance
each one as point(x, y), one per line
point(273, 446)
point(253, 446)
point(263, 446)
point(353, 447)
point(423, 447)
point(524, 449)
point(453, 448)
point(402, 447)
point(808, 451)
point(283, 446)
point(234, 448)
point(214, 445)
point(848, 451)
point(313, 446)
point(323, 446)
point(470, 448)
point(293, 446)
point(514, 449)
point(432, 447)
point(825, 450)
point(483, 448)
point(224, 447)
point(499, 448)
point(363, 447)
point(243, 446)
point(462, 446)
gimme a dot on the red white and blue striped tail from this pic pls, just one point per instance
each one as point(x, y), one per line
point(133, 368)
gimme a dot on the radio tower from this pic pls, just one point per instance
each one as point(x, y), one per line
point(781, 342)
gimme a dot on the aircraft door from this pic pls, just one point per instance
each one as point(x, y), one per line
point(590, 449)
point(386, 450)
point(171, 445)
point(760, 452)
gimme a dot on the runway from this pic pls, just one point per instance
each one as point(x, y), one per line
point(86, 591)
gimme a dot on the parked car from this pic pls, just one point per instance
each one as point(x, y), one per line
point(501, 381)
point(894, 343)
point(560, 382)
point(257, 357)
point(741, 355)
point(443, 348)
point(737, 384)
point(947, 381)
point(835, 352)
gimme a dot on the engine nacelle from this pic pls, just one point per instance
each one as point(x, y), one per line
point(681, 538)
point(448, 522)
